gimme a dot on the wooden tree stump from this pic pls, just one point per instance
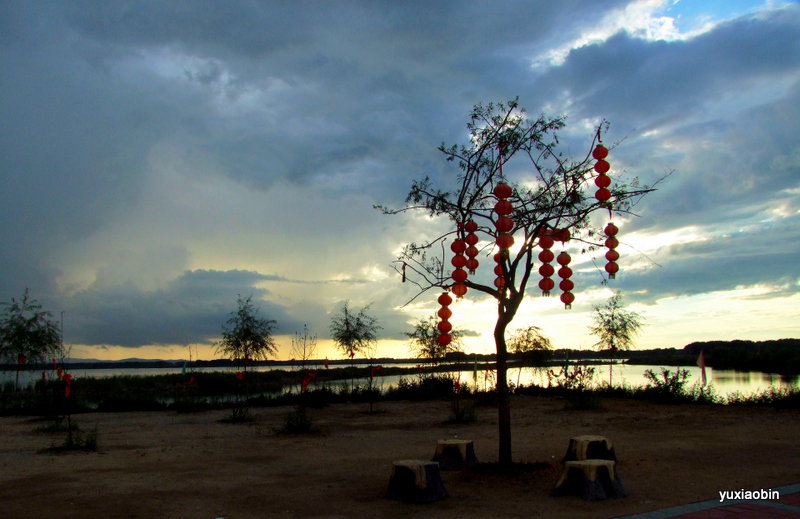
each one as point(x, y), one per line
point(416, 481)
point(455, 454)
point(589, 447)
point(591, 479)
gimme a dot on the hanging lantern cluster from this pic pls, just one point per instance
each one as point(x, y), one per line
point(459, 261)
point(612, 255)
point(504, 224)
point(546, 241)
point(444, 325)
point(602, 181)
point(472, 250)
point(566, 286)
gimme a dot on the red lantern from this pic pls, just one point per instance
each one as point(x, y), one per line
point(611, 230)
point(500, 282)
point(445, 313)
point(472, 265)
point(443, 339)
point(612, 243)
point(459, 289)
point(505, 241)
point(498, 270)
point(459, 276)
point(563, 259)
point(567, 298)
point(471, 239)
point(546, 256)
point(612, 268)
point(444, 326)
point(566, 285)
point(602, 167)
point(546, 284)
point(504, 224)
point(459, 261)
point(565, 272)
point(546, 241)
point(612, 255)
point(445, 299)
point(546, 270)
point(471, 226)
point(600, 152)
point(603, 194)
point(458, 246)
point(602, 181)
point(502, 190)
point(471, 251)
point(503, 207)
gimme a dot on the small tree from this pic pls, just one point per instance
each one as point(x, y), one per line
point(247, 337)
point(353, 333)
point(531, 344)
point(27, 334)
point(423, 341)
point(553, 193)
point(616, 328)
point(304, 347)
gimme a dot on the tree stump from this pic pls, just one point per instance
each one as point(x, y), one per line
point(589, 447)
point(416, 481)
point(455, 454)
point(591, 479)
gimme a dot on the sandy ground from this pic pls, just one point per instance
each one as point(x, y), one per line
point(154, 465)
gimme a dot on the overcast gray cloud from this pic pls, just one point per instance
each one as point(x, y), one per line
point(158, 158)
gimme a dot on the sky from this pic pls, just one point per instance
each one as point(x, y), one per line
point(158, 159)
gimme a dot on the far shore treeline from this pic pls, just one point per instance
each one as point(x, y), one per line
point(780, 356)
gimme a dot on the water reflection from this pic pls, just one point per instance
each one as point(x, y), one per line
point(724, 382)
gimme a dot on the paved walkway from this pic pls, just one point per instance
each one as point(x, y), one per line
point(787, 506)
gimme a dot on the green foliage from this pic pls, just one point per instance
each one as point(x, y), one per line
point(354, 333)
point(423, 343)
point(27, 335)
point(246, 336)
point(616, 328)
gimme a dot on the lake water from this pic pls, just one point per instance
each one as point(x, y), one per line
point(724, 382)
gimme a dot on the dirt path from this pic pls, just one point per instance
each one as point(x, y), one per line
point(154, 465)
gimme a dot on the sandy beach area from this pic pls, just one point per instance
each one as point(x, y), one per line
point(170, 465)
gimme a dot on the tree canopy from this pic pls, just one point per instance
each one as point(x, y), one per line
point(246, 336)
point(27, 333)
point(354, 333)
point(423, 343)
point(548, 193)
point(616, 327)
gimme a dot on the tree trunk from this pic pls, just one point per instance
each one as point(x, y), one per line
point(504, 402)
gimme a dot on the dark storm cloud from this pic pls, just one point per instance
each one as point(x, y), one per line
point(97, 99)
point(192, 309)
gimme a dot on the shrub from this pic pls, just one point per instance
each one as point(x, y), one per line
point(296, 421)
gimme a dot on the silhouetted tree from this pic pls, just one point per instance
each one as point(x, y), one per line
point(424, 344)
point(247, 337)
point(616, 327)
point(531, 344)
point(558, 193)
point(27, 335)
point(353, 333)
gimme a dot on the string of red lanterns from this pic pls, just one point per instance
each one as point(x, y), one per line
point(566, 286)
point(459, 261)
point(546, 241)
point(472, 251)
point(612, 255)
point(444, 325)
